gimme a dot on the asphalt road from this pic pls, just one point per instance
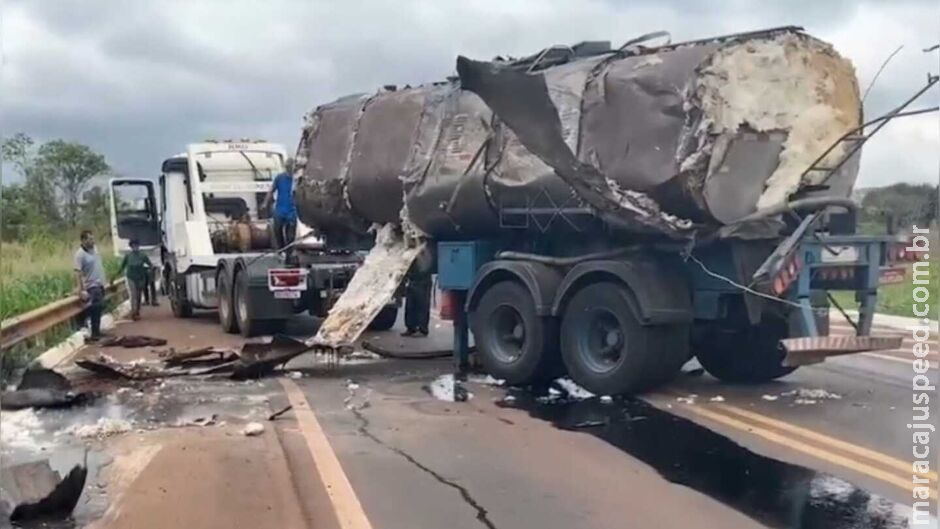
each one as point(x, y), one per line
point(367, 445)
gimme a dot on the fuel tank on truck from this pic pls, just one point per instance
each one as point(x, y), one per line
point(661, 140)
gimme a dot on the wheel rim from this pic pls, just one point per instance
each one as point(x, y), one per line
point(601, 341)
point(507, 339)
point(224, 306)
point(241, 305)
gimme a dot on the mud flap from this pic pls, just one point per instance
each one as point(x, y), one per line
point(815, 349)
point(370, 290)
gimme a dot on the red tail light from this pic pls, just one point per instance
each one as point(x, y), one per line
point(448, 305)
point(286, 277)
point(788, 273)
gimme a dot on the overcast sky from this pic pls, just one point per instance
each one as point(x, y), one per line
point(137, 80)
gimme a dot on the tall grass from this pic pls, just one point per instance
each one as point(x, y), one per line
point(898, 299)
point(39, 271)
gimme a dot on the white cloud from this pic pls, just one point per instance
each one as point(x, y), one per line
point(138, 80)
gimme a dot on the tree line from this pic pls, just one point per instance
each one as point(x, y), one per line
point(56, 192)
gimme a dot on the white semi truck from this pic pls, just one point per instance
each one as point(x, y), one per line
point(215, 241)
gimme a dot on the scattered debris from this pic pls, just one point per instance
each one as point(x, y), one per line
point(697, 372)
point(351, 386)
point(486, 380)
point(573, 390)
point(686, 400)
point(105, 427)
point(812, 394)
point(717, 398)
point(509, 399)
point(769, 397)
point(257, 359)
point(445, 388)
point(198, 421)
point(590, 423)
point(108, 366)
point(18, 430)
point(295, 375)
point(42, 378)
point(280, 412)
point(606, 399)
point(34, 491)
point(132, 341)
point(41, 398)
point(204, 356)
point(42, 388)
point(252, 429)
point(805, 401)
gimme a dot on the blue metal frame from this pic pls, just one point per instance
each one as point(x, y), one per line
point(869, 262)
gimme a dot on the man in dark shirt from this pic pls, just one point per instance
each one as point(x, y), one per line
point(285, 214)
point(137, 267)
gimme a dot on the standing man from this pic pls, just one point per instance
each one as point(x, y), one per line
point(285, 214)
point(89, 273)
point(418, 295)
point(137, 268)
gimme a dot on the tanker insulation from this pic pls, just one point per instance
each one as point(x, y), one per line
point(667, 140)
point(678, 141)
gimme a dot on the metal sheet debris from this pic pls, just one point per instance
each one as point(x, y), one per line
point(372, 287)
point(34, 492)
point(131, 341)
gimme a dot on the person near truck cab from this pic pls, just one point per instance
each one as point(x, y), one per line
point(285, 214)
point(91, 279)
point(137, 268)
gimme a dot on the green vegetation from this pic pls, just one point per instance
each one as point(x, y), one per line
point(897, 299)
point(42, 216)
point(39, 271)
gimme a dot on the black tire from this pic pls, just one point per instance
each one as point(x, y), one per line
point(514, 343)
point(248, 326)
point(226, 306)
point(179, 298)
point(746, 355)
point(608, 352)
point(385, 319)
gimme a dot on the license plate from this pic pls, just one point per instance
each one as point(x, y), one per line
point(840, 254)
point(287, 294)
point(890, 276)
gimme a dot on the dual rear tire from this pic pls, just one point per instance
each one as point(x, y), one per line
point(602, 344)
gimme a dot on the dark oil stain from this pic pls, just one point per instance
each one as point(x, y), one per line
point(772, 492)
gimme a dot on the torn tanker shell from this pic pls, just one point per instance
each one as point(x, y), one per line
point(695, 136)
point(371, 288)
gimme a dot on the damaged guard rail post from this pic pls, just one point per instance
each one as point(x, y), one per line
point(35, 322)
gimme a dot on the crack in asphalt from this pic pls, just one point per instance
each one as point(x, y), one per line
point(482, 513)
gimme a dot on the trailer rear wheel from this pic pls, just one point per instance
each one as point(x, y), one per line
point(513, 341)
point(608, 352)
point(385, 319)
point(248, 326)
point(746, 355)
point(226, 307)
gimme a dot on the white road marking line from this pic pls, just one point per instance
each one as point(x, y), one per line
point(345, 502)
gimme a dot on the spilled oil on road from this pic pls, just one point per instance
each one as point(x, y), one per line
point(773, 492)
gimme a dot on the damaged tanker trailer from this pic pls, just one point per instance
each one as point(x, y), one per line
point(610, 212)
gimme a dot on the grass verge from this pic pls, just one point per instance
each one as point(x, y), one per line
point(39, 272)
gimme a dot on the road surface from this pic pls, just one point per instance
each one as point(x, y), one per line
point(367, 445)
